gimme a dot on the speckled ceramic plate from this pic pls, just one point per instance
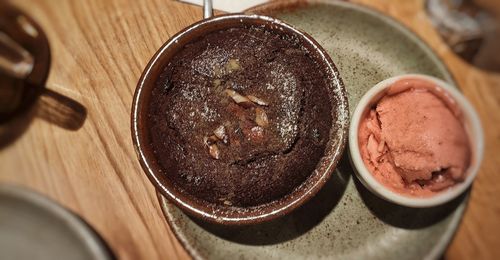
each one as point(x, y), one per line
point(344, 221)
point(35, 227)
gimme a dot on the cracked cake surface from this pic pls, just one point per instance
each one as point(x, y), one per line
point(240, 116)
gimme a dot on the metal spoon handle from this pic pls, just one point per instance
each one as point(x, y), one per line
point(207, 9)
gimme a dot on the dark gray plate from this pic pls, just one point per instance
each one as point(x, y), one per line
point(344, 221)
point(34, 227)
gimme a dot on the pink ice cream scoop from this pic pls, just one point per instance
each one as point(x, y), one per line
point(413, 141)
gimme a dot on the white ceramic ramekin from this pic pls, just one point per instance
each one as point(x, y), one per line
point(472, 126)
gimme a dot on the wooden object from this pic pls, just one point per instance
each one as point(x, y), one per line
point(99, 49)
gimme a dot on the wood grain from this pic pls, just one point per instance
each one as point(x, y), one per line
point(99, 49)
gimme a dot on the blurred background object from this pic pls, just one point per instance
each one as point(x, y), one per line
point(33, 226)
point(230, 6)
point(24, 68)
point(24, 62)
point(15, 61)
point(471, 31)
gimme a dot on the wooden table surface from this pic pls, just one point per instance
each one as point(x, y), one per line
point(99, 49)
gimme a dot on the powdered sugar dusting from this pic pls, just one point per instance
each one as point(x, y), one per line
point(208, 113)
point(208, 60)
point(191, 92)
point(287, 120)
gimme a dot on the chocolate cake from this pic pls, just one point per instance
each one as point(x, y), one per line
point(240, 116)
